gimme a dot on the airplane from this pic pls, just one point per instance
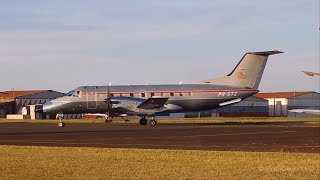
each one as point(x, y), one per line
point(307, 111)
point(148, 101)
point(311, 73)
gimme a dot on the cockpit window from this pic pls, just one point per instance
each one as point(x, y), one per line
point(73, 93)
point(70, 93)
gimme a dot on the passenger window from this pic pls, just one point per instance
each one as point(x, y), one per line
point(143, 94)
point(152, 94)
point(131, 95)
point(171, 94)
point(181, 94)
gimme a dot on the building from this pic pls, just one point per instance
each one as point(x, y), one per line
point(5, 108)
point(281, 102)
point(250, 107)
point(12, 102)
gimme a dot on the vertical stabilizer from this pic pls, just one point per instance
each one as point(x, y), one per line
point(248, 71)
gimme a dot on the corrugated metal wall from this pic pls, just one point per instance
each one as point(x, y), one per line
point(250, 107)
point(306, 101)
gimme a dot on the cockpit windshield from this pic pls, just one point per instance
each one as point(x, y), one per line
point(70, 93)
point(73, 93)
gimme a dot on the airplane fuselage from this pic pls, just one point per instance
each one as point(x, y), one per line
point(181, 98)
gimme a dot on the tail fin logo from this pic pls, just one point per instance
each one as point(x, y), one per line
point(242, 75)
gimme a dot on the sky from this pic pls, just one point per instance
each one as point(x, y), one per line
point(63, 44)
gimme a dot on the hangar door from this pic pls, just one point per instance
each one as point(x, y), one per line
point(278, 109)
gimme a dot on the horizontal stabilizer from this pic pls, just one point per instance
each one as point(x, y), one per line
point(266, 53)
point(153, 103)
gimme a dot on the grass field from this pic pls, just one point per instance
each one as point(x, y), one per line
point(31, 162)
point(18, 162)
point(182, 120)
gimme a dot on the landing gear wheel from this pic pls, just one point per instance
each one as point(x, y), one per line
point(143, 121)
point(61, 124)
point(107, 121)
point(153, 123)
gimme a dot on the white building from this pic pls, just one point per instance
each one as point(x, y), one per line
point(281, 102)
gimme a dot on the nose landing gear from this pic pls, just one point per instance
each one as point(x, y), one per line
point(60, 124)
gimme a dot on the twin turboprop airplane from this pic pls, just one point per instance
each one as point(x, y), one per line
point(149, 100)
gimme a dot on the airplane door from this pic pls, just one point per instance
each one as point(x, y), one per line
point(91, 97)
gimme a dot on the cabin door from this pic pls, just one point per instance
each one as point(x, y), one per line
point(91, 97)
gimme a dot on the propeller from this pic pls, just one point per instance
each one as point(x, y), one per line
point(108, 101)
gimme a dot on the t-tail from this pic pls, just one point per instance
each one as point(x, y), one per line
point(248, 71)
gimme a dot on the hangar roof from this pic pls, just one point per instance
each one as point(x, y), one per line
point(14, 94)
point(48, 94)
point(255, 98)
point(282, 94)
point(8, 96)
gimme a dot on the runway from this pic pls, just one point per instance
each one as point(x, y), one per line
point(266, 137)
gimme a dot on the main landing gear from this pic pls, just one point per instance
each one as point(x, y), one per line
point(144, 121)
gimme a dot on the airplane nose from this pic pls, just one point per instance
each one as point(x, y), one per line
point(53, 106)
point(47, 107)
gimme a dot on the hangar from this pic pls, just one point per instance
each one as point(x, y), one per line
point(281, 102)
point(12, 102)
point(250, 107)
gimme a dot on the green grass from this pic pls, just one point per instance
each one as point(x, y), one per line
point(18, 162)
point(181, 120)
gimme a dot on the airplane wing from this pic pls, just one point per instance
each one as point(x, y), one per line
point(311, 73)
point(153, 103)
point(312, 111)
point(307, 111)
point(296, 110)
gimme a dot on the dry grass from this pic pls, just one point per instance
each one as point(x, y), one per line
point(19, 162)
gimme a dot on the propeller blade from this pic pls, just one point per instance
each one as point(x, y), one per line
point(108, 100)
